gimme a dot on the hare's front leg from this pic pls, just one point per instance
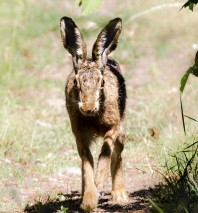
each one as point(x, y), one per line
point(105, 156)
point(89, 190)
point(118, 189)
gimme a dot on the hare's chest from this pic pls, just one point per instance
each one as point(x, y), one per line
point(110, 117)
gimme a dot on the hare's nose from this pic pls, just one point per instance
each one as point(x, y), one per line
point(87, 109)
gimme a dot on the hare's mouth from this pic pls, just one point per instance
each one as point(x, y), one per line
point(88, 109)
point(88, 112)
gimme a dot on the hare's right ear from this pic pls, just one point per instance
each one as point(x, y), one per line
point(106, 42)
point(73, 41)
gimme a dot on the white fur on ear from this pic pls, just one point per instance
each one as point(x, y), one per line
point(62, 29)
point(103, 39)
point(106, 42)
point(118, 25)
point(63, 34)
point(79, 42)
point(73, 41)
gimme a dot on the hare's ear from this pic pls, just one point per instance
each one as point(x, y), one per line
point(107, 41)
point(73, 41)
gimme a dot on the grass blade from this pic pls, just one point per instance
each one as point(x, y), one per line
point(191, 145)
point(190, 118)
point(182, 113)
point(155, 206)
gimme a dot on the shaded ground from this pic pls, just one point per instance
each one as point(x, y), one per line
point(48, 193)
point(138, 203)
point(138, 185)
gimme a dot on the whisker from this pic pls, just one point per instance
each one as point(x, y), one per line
point(73, 100)
point(74, 112)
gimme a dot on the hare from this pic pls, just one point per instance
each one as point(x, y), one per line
point(95, 100)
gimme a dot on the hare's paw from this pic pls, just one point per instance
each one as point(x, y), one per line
point(90, 200)
point(119, 196)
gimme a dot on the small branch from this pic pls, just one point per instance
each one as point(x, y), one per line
point(153, 9)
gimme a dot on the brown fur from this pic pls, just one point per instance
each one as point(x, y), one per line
point(92, 94)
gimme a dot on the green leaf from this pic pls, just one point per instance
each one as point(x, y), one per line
point(192, 70)
point(196, 58)
point(185, 5)
point(195, 71)
point(88, 6)
point(191, 5)
point(184, 79)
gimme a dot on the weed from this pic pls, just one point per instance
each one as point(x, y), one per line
point(179, 192)
point(62, 210)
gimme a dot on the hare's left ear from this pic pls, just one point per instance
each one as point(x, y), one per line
point(73, 41)
point(106, 42)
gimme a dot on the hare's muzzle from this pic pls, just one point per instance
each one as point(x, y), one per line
point(89, 108)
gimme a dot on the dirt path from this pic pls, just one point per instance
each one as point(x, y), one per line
point(138, 203)
point(66, 193)
point(49, 192)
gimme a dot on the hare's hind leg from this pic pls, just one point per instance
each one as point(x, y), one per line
point(89, 190)
point(118, 189)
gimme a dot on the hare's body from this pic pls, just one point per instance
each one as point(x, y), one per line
point(95, 100)
point(111, 109)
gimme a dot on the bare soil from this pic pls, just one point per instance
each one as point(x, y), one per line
point(138, 185)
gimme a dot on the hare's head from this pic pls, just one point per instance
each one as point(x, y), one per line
point(89, 71)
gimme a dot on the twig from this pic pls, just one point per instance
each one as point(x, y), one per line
point(153, 9)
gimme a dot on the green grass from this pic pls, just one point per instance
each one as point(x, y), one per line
point(35, 133)
point(179, 190)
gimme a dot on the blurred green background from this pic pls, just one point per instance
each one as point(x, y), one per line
point(157, 45)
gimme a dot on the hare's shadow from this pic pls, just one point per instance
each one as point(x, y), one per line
point(71, 204)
